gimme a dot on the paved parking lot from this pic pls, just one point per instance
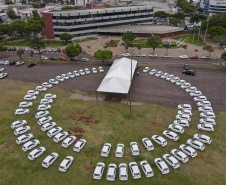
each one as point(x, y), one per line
point(145, 88)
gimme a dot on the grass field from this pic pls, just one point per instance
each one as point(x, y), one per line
point(190, 40)
point(98, 123)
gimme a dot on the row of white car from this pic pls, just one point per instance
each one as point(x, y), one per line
point(2, 75)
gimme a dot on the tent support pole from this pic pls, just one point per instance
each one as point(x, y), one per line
point(96, 96)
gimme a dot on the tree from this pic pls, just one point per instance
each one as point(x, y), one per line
point(11, 14)
point(220, 38)
point(88, 47)
point(33, 26)
point(66, 36)
point(20, 52)
point(17, 26)
point(73, 50)
point(167, 46)
point(196, 50)
point(162, 14)
point(175, 21)
point(4, 29)
point(197, 18)
point(35, 13)
point(139, 47)
point(37, 43)
point(129, 36)
point(223, 56)
point(154, 42)
point(179, 15)
point(7, 2)
point(185, 48)
point(103, 55)
point(127, 44)
point(208, 48)
point(216, 20)
point(216, 31)
point(31, 53)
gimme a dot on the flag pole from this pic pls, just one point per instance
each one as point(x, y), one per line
point(193, 34)
point(206, 31)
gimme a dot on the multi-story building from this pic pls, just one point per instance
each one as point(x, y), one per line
point(214, 6)
point(83, 23)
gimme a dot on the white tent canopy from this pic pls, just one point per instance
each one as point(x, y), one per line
point(118, 78)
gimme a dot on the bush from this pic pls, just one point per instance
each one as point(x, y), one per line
point(3, 48)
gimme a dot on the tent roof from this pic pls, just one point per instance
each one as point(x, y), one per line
point(118, 78)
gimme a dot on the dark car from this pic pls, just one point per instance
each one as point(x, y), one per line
point(53, 58)
point(31, 65)
point(11, 63)
point(13, 49)
point(58, 50)
point(189, 72)
point(109, 63)
point(9, 49)
point(186, 67)
point(73, 59)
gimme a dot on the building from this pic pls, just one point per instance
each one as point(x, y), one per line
point(84, 23)
point(214, 6)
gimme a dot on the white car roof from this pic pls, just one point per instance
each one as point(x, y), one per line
point(105, 148)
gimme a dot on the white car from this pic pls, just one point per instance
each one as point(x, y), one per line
point(170, 135)
point(101, 69)
point(111, 173)
point(6, 62)
point(47, 85)
point(159, 140)
point(172, 161)
point(44, 58)
point(134, 148)
point(203, 138)
point(36, 153)
point(30, 144)
point(45, 120)
point(41, 88)
point(21, 130)
point(203, 103)
point(48, 126)
point(68, 141)
point(158, 74)
point(50, 159)
point(54, 81)
point(123, 172)
point(169, 77)
point(24, 138)
point(166, 55)
point(119, 150)
point(76, 73)
point(146, 69)
point(190, 89)
point(207, 121)
point(153, 55)
point(183, 117)
point(99, 170)
point(60, 136)
point(94, 70)
point(206, 127)
point(87, 71)
point(82, 73)
point(191, 152)
point(148, 144)
point(79, 145)
point(54, 131)
point(184, 106)
point(134, 170)
point(59, 78)
point(185, 111)
point(66, 77)
point(183, 56)
point(152, 72)
point(207, 115)
point(180, 82)
point(18, 123)
point(25, 104)
point(30, 97)
point(174, 79)
point(32, 92)
point(106, 150)
point(195, 144)
point(145, 166)
point(46, 101)
point(181, 156)
point(41, 114)
point(3, 75)
point(176, 128)
point(66, 163)
point(182, 122)
point(205, 109)
point(19, 63)
point(2, 69)
point(200, 98)
point(50, 96)
point(84, 59)
point(185, 85)
point(126, 55)
point(71, 75)
point(195, 93)
point(44, 107)
point(141, 55)
point(162, 166)
point(21, 111)
point(164, 75)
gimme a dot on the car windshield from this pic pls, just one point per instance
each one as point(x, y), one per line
point(44, 163)
point(95, 174)
point(110, 175)
point(61, 166)
point(149, 172)
point(136, 173)
point(123, 175)
point(165, 169)
point(118, 152)
point(177, 163)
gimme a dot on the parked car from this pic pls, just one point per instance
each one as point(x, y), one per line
point(203, 138)
point(169, 77)
point(21, 111)
point(54, 131)
point(158, 74)
point(46, 101)
point(79, 145)
point(145, 166)
point(152, 72)
point(194, 57)
point(58, 50)
point(184, 106)
point(25, 104)
point(206, 127)
point(99, 170)
point(203, 103)
point(50, 159)
point(106, 150)
point(30, 97)
point(19, 63)
point(164, 75)
point(41, 114)
point(82, 73)
point(36, 153)
point(44, 58)
point(60, 136)
point(153, 55)
point(84, 59)
point(66, 163)
point(119, 150)
point(188, 150)
point(41, 88)
point(73, 59)
point(134, 170)
point(179, 155)
point(146, 69)
point(50, 96)
point(32, 92)
point(44, 107)
point(207, 115)
point(205, 109)
point(200, 98)
point(182, 122)
point(111, 173)
point(76, 73)
point(206, 57)
point(190, 89)
point(94, 70)
point(183, 117)
point(87, 71)
point(141, 55)
point(47, 85)
point(126, 55)
point(162, 166)
point(195, 93)
point(109, 63)
point(189, 72)
point(134, 148)
point(68, 141)
point(54, 81)
point(170, 135)
point(172, 161)
point(21, 130)
point(30, 144)
point(48, 126)
point(62, 58)
point(159, 140)
point(31, 64)
point(45, 120)
point(207, 121)
point(123, 172)
point(195, 144)
point(148, 144)
point(185, 111)
point(101, 69)
point(53, 58)
point(183, 56)
point(186, 67)
point(165, 56)
point(59, 78)
point(24, 138)
point(17, 124)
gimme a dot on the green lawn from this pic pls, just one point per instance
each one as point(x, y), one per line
point(84, 40)
point(100, 122)
point(190, 40)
